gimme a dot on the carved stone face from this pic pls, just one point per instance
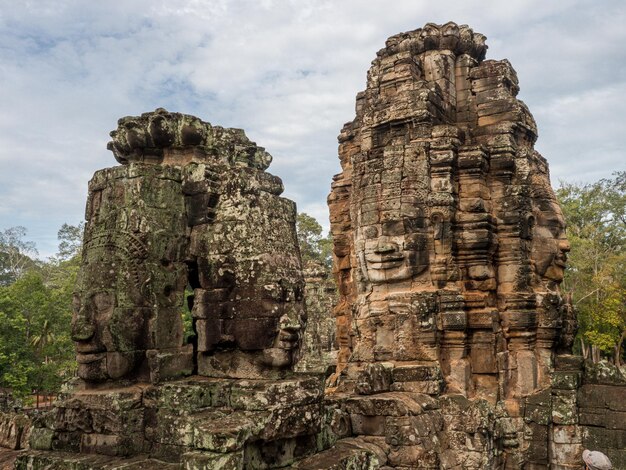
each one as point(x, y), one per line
point(394, 250)
point(109, 322)
point(262, 313)
point(274, 324)
point(288, 330)
point(549, 245)
point(129, 291)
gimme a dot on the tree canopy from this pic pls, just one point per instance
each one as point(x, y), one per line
point(313, 246)
point(36, 351)
point(596, 227)
point(16, 254)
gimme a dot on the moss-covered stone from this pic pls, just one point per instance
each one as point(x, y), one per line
point(569, 380)
point(603, 373)
point(348, 454)
point(213, 460)
point(226, 431)
point(564, 407)
point(41, 439)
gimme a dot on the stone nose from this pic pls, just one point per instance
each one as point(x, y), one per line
point(564, 245)
point(291, 321)
point(385, 246)
point(82, 328)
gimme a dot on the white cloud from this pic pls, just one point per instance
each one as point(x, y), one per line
point(582, 129)
point(285, 71)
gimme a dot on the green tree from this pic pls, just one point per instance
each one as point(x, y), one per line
point(595, 215)
point(16, 254)
point(21, 303)
point(59, 277)
point(15, 360)
point(60, 271)
point(36, 351)
point(313, 246)
point(70, 240)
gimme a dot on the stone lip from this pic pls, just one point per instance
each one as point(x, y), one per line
point(460, 39)
point(154, 135)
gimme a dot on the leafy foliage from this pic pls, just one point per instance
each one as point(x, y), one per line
point(35, 346)
point(15, 254)
point(313, 246)
point(70, 240)
point(596, 217)
point(36, 351)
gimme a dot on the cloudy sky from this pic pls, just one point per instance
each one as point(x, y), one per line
point(286, 71)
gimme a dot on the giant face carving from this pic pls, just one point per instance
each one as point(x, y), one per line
point(394, 250)
point(289, 303)
point(549, 244)
point(261, 313)
point(129, 290)
point(109, 319)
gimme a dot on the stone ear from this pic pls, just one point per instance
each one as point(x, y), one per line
point(436, 221)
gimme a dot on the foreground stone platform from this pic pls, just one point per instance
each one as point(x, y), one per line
point(197, 422)
point(8, 457)
point(347, 454)
point(67, 460)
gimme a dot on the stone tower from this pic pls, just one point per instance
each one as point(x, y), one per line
point(449, 245)
point(190, 216)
